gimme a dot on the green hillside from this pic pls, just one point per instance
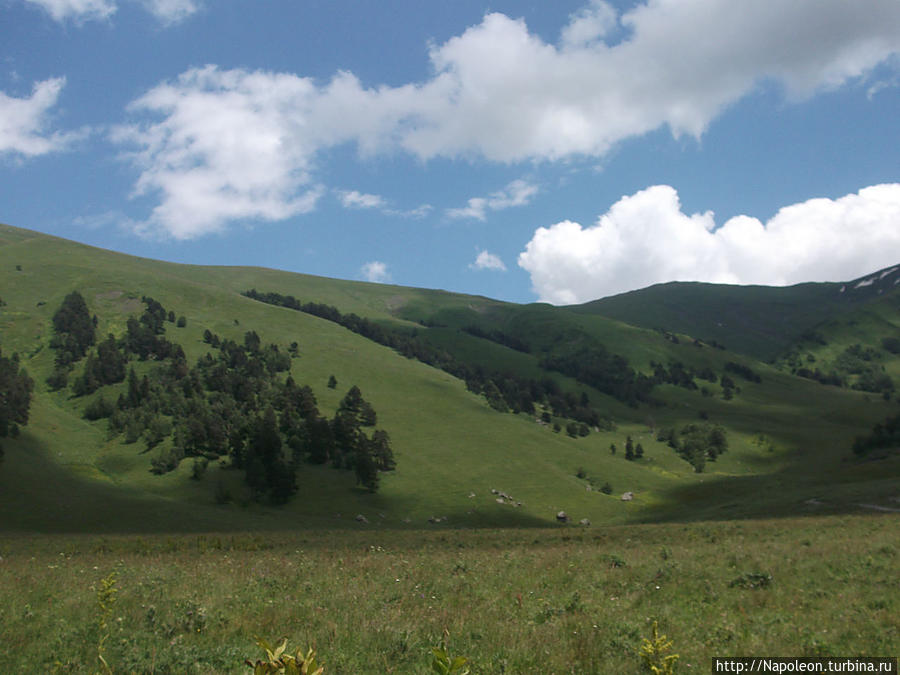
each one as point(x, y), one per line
point(788, 436)
point(760, 321)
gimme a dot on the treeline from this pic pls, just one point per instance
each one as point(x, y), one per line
point(696, 443)
point(609, 373)
point(15, 396)
point(232, 403)
point(499, 337)
point(503, 391)
point(884, 435)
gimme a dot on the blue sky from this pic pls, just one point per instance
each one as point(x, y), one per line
point(525, 151)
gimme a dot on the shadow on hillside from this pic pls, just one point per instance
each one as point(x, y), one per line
point(38, 495)
point(849, 486)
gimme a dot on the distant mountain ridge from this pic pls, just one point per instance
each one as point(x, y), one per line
point(760, 321)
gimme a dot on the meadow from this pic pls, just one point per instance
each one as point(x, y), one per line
point(559, 600)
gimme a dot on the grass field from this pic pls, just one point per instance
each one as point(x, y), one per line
point(561, 600)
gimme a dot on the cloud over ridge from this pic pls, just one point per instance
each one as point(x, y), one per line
point(646, 238)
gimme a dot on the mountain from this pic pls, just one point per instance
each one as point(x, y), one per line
point(446, 374)
point(761, 321)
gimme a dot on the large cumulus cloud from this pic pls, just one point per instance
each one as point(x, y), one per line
point(646, 238)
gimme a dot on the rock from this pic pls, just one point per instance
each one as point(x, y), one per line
point(562, 517)
point(471, 495)
point(627, 496)
point(585, 522)
point(500, 500)
point(360, 518)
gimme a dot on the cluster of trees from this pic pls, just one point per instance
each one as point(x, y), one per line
point(696, 443)
point(233, 402)
point(683, 376)
point(499, 337)
point(504, 392)
point(884, 435)
point(75, 333)
point(857, 366)
point(593, 365)
point(15, 396)
point(743, 371)
point(680, 375)
point(632, 452)
point(74, 330)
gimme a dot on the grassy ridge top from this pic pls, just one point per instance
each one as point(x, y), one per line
point(789, 437)
point(760, 321)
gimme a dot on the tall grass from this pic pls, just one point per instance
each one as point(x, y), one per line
point(568, 600)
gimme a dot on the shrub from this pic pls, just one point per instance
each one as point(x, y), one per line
point(98, 409)
point(277, 661)
point(655, 653)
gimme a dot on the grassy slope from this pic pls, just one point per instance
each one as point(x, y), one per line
point(759, 321)
point(448, 443)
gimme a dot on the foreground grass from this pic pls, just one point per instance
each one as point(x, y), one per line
point(564, 600)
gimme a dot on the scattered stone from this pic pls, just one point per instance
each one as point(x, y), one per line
point(437, 519)
point(471, 495)
point(360, 518)
point(587, 487)
point(813, 502)
point(500, 500)
point(562, 517)
point(585, 522)
point(627, 496)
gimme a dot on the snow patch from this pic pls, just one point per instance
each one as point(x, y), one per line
point(865, 282)
point(887, 272)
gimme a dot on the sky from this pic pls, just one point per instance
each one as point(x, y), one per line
point(526, 151)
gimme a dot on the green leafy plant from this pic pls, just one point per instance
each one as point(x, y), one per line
point(106, 599)
point(655, 653)
point(752, 581)
point(278, 661)
point(443, 664)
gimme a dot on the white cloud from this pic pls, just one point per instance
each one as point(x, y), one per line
point(171, 11)
point(61, 10)
point(23, 122)
point(375, 272)
point(517, 193)
point(501, 92)
point(589, 24)
point(167, 11)
point(352, 199)
point(231, 146)
point(488, 261)
point(226, 145)
point(645, 239)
